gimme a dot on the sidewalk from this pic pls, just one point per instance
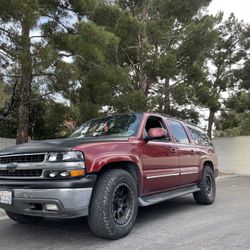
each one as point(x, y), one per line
point(225, 176)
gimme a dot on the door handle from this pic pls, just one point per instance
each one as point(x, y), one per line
point(174, 150)
point(192, 151)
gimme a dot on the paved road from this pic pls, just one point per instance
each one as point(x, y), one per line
point(176, 224)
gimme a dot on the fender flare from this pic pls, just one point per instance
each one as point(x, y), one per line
point(100, 162)
point(202, 164)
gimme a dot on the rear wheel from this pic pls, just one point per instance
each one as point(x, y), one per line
point(23, 219)
point(114, 205)
point(207, 185)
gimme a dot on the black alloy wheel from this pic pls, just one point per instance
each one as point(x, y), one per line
point(122, 205)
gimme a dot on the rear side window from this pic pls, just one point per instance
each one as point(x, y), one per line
point(199, 137)
point(178, 132)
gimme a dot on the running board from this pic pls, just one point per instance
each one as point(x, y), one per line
point(156, 198)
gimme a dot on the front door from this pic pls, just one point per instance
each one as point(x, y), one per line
point(160, 160)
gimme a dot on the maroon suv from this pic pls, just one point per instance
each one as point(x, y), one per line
point(106, 169)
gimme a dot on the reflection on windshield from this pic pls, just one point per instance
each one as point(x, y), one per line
point(117, 125)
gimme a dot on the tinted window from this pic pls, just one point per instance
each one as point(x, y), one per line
point(199, 137)
point(179, 132)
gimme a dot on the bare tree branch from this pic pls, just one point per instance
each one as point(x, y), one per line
point(6, 51)
point(6, 55)
point(43, 74)
point(131, 62)
point(31, 37)
point(10, 76)
point(59, 22)
point(65, 55)
point(33, 75)
point(177, 82)
point(7, 32)
point(41, 97)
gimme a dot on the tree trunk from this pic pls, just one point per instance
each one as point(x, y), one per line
point(142, 44)
point(25, 88)
point(167, 96)
point(210, 123)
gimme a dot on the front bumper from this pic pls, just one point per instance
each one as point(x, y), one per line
point(72, 198)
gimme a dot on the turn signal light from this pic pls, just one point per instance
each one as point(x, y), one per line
point(76, 172)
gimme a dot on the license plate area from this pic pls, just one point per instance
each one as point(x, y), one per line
point(6, 197)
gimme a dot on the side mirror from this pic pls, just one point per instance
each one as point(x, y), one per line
point(156, 133)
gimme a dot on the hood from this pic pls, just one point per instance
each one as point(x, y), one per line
point(56, 145)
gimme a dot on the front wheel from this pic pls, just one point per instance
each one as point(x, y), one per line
point(23, 219)
point(207, 185)
point(114, 205)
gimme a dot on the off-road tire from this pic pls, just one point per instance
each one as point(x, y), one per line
point(23, 219)
point(103, 207)
point(207, 185)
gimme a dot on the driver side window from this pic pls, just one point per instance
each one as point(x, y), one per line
point(155, 122)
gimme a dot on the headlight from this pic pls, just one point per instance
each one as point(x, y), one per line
point(64, 174)
point(70, 156)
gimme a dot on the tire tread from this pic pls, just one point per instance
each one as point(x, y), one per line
point(201, 196)
point(99, 218)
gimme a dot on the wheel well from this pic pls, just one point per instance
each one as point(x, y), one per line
point(209, 164)
point(130, 167)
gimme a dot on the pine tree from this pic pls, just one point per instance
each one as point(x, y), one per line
point(162, 44)
point(219, 72)
point(235, 117)
point(27, 56)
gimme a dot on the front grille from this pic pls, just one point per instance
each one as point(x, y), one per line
point(22, 158)
point(21, 173)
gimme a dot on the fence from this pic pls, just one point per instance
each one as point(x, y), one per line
point(233, 154)
point(6, 142)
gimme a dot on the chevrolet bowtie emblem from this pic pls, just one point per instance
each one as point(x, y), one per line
point(12, 166)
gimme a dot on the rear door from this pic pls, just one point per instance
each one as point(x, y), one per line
point(160, 160)
point(188, 157)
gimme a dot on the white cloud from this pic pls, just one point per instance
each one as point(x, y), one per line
point(239, 7)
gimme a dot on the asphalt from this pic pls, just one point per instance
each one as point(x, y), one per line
point(175, 224)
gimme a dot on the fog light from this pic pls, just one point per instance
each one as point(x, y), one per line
point(51, 207)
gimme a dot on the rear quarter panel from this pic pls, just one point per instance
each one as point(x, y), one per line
point(207, 154)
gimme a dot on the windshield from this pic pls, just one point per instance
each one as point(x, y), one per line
point(117, 125)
